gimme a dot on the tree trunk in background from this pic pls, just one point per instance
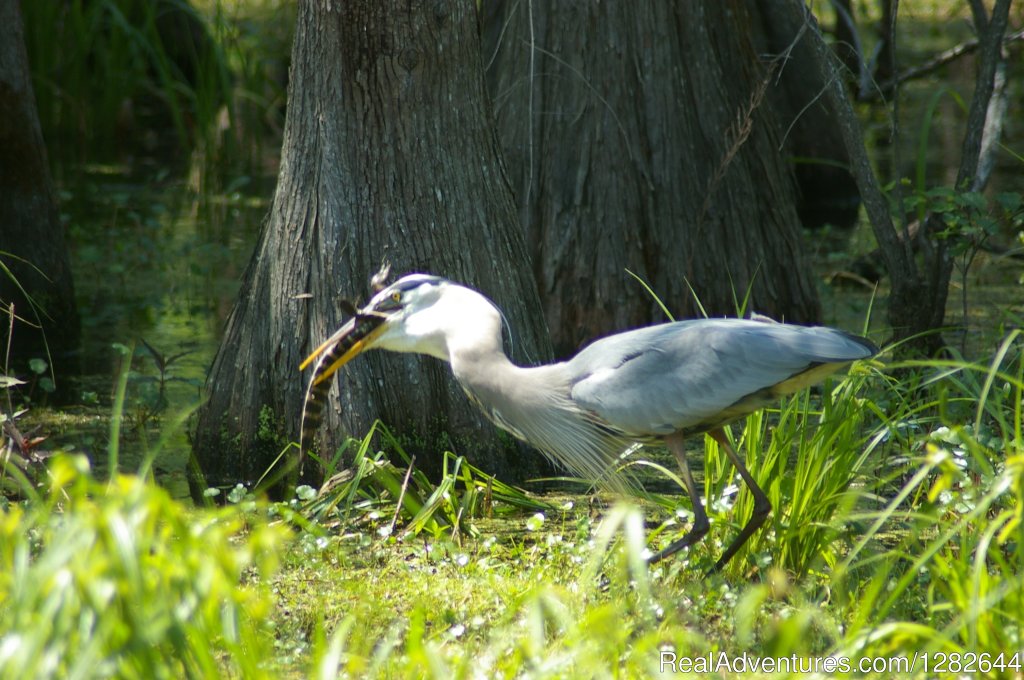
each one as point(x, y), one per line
point(828, 192)
point(847, 41)
point(389, 152)
point(31, 235)
point(618, 120)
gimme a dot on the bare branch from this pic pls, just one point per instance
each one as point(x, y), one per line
point(932, 65)
point(897, 161)
point(892, 250)
point(993, 129)
point(851, 49)
point(980, 16)
point(991, 49)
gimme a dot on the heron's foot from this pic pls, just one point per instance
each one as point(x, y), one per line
point(761, 510)
point(697, 532)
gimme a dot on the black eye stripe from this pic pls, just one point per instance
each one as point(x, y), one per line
point(394, 296)
point(408, 284)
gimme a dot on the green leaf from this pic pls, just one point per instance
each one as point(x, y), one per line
point(38, 366)
point(942, 192)
point(974, 199)
point(989, 225)
point(1010, 201)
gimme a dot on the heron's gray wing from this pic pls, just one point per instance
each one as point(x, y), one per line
point(697, 374)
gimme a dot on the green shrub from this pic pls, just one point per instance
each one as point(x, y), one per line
point(120, 580)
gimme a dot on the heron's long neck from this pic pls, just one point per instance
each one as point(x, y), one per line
point(512, 396)
point(481, 365)
point(534, 405)
point(531, 403)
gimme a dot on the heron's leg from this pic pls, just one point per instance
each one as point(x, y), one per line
point(762, 506)
point(700, 518)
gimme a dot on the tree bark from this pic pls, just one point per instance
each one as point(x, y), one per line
point(389, 152)
point(637, 139)
point(32, 242)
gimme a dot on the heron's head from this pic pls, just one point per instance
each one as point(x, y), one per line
point(418, 313)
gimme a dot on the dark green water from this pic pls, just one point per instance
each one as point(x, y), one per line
point(154, 263)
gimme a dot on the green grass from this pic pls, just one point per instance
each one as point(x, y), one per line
point(119, 580)
point(898, 494)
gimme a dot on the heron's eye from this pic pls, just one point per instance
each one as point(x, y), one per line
point(396, 296)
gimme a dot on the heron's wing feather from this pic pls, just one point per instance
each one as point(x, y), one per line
point(694, 374)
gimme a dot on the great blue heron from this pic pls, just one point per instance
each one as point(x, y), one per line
point(661, 383)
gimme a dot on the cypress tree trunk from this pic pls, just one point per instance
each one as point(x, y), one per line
point(389, 152)
point(32, 245)
point(637, 138)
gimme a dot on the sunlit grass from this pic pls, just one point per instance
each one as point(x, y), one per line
point(119, 580)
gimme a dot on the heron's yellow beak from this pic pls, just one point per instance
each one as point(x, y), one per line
point(348, 342)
